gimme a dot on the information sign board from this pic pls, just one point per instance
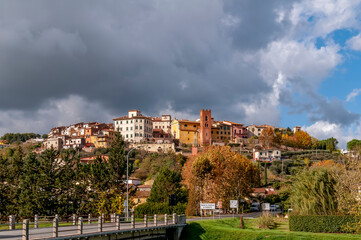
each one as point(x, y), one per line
point(207, 206)
point(233, 204)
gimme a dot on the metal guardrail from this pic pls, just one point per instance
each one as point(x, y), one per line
point(104, 224)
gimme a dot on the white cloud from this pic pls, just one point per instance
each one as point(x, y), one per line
point(323, 130)
point(354, 43)
point(353, 94)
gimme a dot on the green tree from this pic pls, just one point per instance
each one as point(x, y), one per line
point(167, 182)
point(313, 192)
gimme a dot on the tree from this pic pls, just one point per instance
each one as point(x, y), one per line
point(354, 144)
point(218, 174)
point(267, 137)
point(313, 193)
point(303, 140)
point(167, 182)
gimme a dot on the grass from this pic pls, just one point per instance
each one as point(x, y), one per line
point(229, 229)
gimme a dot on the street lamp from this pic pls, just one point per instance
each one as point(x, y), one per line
point(128, 181)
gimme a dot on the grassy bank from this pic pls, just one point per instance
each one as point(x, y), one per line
point(229, 229)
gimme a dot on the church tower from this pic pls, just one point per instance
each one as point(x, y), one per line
point(205, 127)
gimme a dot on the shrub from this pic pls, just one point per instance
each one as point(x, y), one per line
point(159, 208)
point(266, 221)
point(327, 223)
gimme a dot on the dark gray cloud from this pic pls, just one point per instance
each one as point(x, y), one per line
point(129, 54)
point(122, 54)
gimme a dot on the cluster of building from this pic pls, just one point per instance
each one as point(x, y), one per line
point(137, 129)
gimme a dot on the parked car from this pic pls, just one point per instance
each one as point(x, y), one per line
point(255, 207)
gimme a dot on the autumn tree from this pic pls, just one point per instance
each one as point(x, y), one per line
point(302, 140)
point(267, 137)
point(218, 174)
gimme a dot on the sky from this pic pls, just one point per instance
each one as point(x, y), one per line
point(285, 63)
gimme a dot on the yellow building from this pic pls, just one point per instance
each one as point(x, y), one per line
point(186, 131)
point(221, 132)
point(103, 139)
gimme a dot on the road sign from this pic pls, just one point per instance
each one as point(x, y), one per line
point(233, 204)
point(207, 206)
point(219, 204)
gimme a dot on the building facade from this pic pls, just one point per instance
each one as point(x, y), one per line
point(135, 127)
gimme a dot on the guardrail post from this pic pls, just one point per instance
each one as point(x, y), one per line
point(57, 216)
point(155, 220)
point(55, 227)
point(145, 221)
point(80, 225)
point(165, 219)
point(89, 218)
point(132, 221)
point(74, 219)
point(174, 218)
point(25, 229)
point(103, 217)
point(100, 224)
point(12, 222)
point(117, 222)
point(36, 221)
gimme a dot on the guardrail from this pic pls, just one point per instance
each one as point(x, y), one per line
point(54, 226)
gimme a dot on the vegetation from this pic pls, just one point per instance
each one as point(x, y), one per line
point(313, 193)
point(18, 137)
point(218, 174)
point(57, 183)
point(159, 208)
point(266, 221)
point(328, 224)
point(229, 229)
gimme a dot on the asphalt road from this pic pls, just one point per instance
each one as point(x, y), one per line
point(46, 232)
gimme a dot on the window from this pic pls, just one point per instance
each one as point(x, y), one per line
point(212, 132)
point(121, 122)
point(131, 135)
point(127, 128)
point(136, 120)
point(206, 118)
point(127, 136)
point(121, 129)
point(131, 128)
point(140, 120)
point(221, 132)
point(185, 125)
point(127, 121)
point(131, 121)
point(140, 134)
point(260, 153)
point(136, 127)
point(217, 132)
point(194, 126)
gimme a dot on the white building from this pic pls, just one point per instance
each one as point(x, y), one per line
point(135, 127)
point(163, 123)
point(74, 143)
point(254, 130)
point(267, 155)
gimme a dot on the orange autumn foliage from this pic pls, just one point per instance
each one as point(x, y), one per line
point(218, 174)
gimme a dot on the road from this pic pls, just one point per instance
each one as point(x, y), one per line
point(46, 232)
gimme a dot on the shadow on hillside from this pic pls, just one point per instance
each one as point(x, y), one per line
point(192, 231)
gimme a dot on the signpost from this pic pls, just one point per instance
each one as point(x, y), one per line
point(219, 206)
point(233, 204)
point(207, 206)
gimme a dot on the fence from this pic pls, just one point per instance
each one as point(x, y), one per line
point(56, 226)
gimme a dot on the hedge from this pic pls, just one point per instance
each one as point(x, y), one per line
point(160, 208)
point(316, 224)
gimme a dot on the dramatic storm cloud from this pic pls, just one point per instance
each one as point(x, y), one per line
point(67, 61)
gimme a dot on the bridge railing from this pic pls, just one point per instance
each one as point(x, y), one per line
point(75, 225)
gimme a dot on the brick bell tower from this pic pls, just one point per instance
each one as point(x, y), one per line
point(205, 127)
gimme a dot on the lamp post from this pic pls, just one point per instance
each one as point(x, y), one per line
point(128, 182)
